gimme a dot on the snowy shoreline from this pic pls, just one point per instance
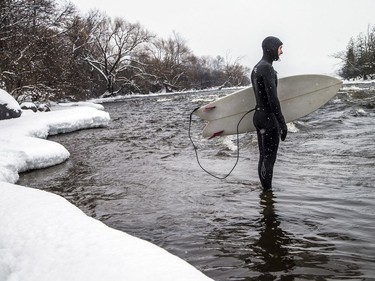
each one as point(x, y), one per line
point(346, 84)
point(43, 236)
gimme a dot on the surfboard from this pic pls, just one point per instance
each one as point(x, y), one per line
point(299, 95)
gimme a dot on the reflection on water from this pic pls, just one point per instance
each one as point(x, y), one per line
point(140, 176)
point(256, 243)
point(273, 242)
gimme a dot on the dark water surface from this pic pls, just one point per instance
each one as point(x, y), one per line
point(140, 176)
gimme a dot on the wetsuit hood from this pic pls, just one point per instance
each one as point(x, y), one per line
point(270, 47)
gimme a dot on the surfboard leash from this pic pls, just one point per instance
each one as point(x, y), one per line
point(238, 146)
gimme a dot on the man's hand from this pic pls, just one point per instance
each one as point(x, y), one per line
point(284, 131)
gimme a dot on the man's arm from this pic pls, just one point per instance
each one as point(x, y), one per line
point(271, 89)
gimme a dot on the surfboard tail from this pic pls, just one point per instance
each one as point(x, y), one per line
point(216, 134)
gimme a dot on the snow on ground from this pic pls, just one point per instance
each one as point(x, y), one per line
point(43, 236)
point(22, 140)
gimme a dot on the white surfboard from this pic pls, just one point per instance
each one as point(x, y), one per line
point(299, 95)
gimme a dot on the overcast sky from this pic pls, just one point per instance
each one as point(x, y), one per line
point(311, 30)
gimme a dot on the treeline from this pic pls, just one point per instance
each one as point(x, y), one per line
point(49, 51)
point(359, 57)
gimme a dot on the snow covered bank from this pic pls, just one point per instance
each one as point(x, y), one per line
point(22, 140)
point(355, 85)
point(44, 237)
point(164, 94)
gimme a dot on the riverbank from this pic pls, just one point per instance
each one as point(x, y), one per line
point(43, 236)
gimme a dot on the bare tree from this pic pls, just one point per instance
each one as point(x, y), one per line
point(31, 37)
point(48, 50)
point(114, 50)
point(168, 61)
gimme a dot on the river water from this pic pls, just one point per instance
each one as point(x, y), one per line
point(140, 176)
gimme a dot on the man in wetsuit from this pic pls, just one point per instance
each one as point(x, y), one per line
point(268, 118)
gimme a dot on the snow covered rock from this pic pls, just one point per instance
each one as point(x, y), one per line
point(29, 106)
point(9, 107)
point(32, 106)
point(43, 107)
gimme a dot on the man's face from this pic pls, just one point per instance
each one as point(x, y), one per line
point(280, 50)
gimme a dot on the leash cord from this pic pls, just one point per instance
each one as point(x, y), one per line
point(238, 146)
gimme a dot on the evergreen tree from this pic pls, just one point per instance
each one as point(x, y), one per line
point(359, 57)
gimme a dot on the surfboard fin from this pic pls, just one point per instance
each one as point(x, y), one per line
point(216, 134)
point(209, 108)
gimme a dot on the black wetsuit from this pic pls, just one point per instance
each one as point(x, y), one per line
point(268, 118)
